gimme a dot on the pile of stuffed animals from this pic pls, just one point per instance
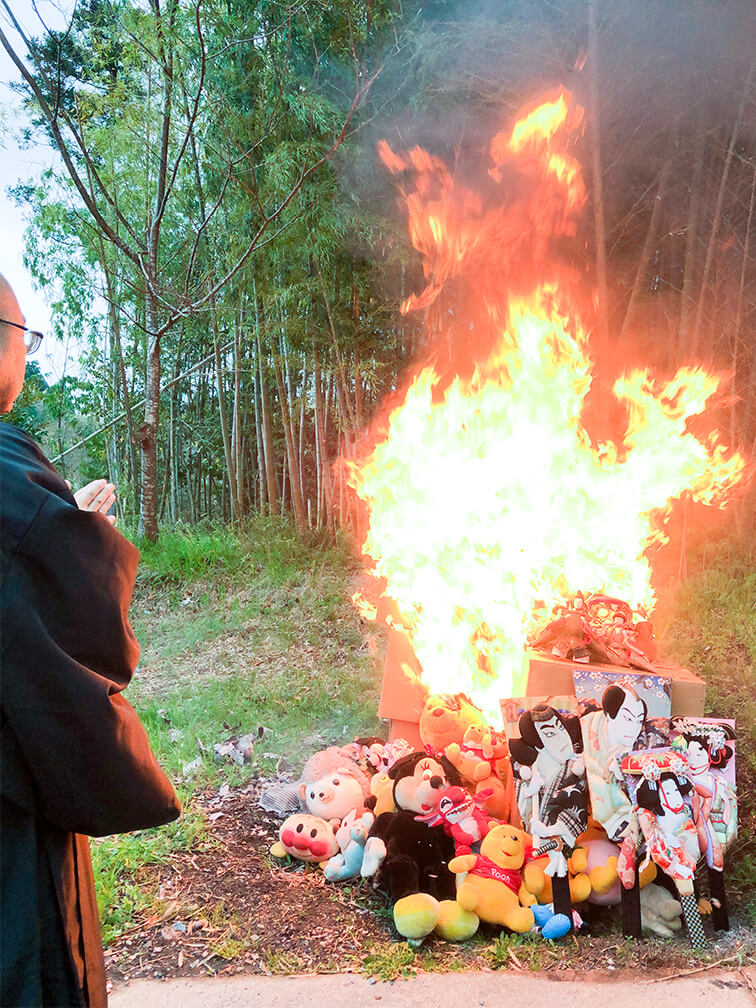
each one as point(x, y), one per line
point(441, 832)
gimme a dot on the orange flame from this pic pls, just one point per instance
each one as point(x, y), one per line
point(487, 500)
point(367, 610)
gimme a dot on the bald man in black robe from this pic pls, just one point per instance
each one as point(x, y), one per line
point(74, 759)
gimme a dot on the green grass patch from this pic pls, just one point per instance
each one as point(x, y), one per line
point(261, 545)
point(709, 626)
point(528, 951)
point(121, 869)
point(390, 961)
point(284, 963)
point(241, 630)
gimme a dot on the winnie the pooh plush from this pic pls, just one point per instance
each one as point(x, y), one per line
point(538, 883)
point(493, 887)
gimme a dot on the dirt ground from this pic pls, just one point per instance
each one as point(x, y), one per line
point(233, 909)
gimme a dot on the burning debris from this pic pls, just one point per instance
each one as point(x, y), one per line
point(599, 629)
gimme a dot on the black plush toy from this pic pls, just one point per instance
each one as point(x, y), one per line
point(410, 856)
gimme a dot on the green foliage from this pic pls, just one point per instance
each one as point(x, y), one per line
point(530, 950)
point(30, 410)
point(710, 627)
point(186, 555)
point(391, 961)
point(267, 547)
point(119, 864)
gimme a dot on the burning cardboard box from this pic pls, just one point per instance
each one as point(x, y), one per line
point(403, 692)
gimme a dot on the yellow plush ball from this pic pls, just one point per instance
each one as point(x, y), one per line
point(415, 916)
point(456, 924)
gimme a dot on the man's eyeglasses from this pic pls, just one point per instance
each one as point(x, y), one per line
point(32, 338)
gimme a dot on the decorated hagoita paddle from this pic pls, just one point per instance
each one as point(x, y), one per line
point(659, 781)
point(708, 745)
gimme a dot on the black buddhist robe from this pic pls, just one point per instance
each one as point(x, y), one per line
point(74, 758)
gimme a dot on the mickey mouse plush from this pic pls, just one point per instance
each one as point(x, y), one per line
point(413, 856)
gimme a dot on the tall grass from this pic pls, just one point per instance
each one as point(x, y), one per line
point(709, 625)
point(185, 555)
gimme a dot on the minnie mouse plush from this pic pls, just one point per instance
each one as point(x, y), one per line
point(409, 857)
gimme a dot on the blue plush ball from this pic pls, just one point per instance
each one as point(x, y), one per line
point(557, 927)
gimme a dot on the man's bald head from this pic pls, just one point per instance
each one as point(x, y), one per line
point(12, 347)
point(7, 299)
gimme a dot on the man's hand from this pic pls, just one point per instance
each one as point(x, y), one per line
point(99, 496)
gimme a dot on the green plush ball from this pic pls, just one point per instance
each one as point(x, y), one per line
point(456, 924)
point(415, 916)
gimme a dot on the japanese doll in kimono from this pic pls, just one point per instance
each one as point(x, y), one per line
point(715, 809)
point(672, 840)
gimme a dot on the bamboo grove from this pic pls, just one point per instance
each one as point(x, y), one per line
point(221, 239)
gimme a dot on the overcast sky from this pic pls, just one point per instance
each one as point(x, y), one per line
point(18, 164)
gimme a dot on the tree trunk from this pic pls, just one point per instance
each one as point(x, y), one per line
point(223, 416)
point(148, 525)
point(718, 213)
point(324, 466)
point(174, 462)
point(648, 245)
point(346, 405)
point(237, 431)
point(270, 463)
point(358, 404)
point(301, 446)
point(739, 317)
point(270, 467)
point(166, 480)
point(598, 185)
point(263, 498)
point(691, 247)
point(291, 452)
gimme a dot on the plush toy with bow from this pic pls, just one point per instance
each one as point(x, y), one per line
point(410, 858)
point(482, 759)
point(332, 785)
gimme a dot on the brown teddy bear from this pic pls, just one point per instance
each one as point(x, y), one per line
point(493, 887)
point(482, 759)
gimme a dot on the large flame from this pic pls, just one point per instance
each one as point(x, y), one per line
point(488, 502)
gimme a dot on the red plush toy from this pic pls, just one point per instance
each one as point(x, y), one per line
point(462, 817)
